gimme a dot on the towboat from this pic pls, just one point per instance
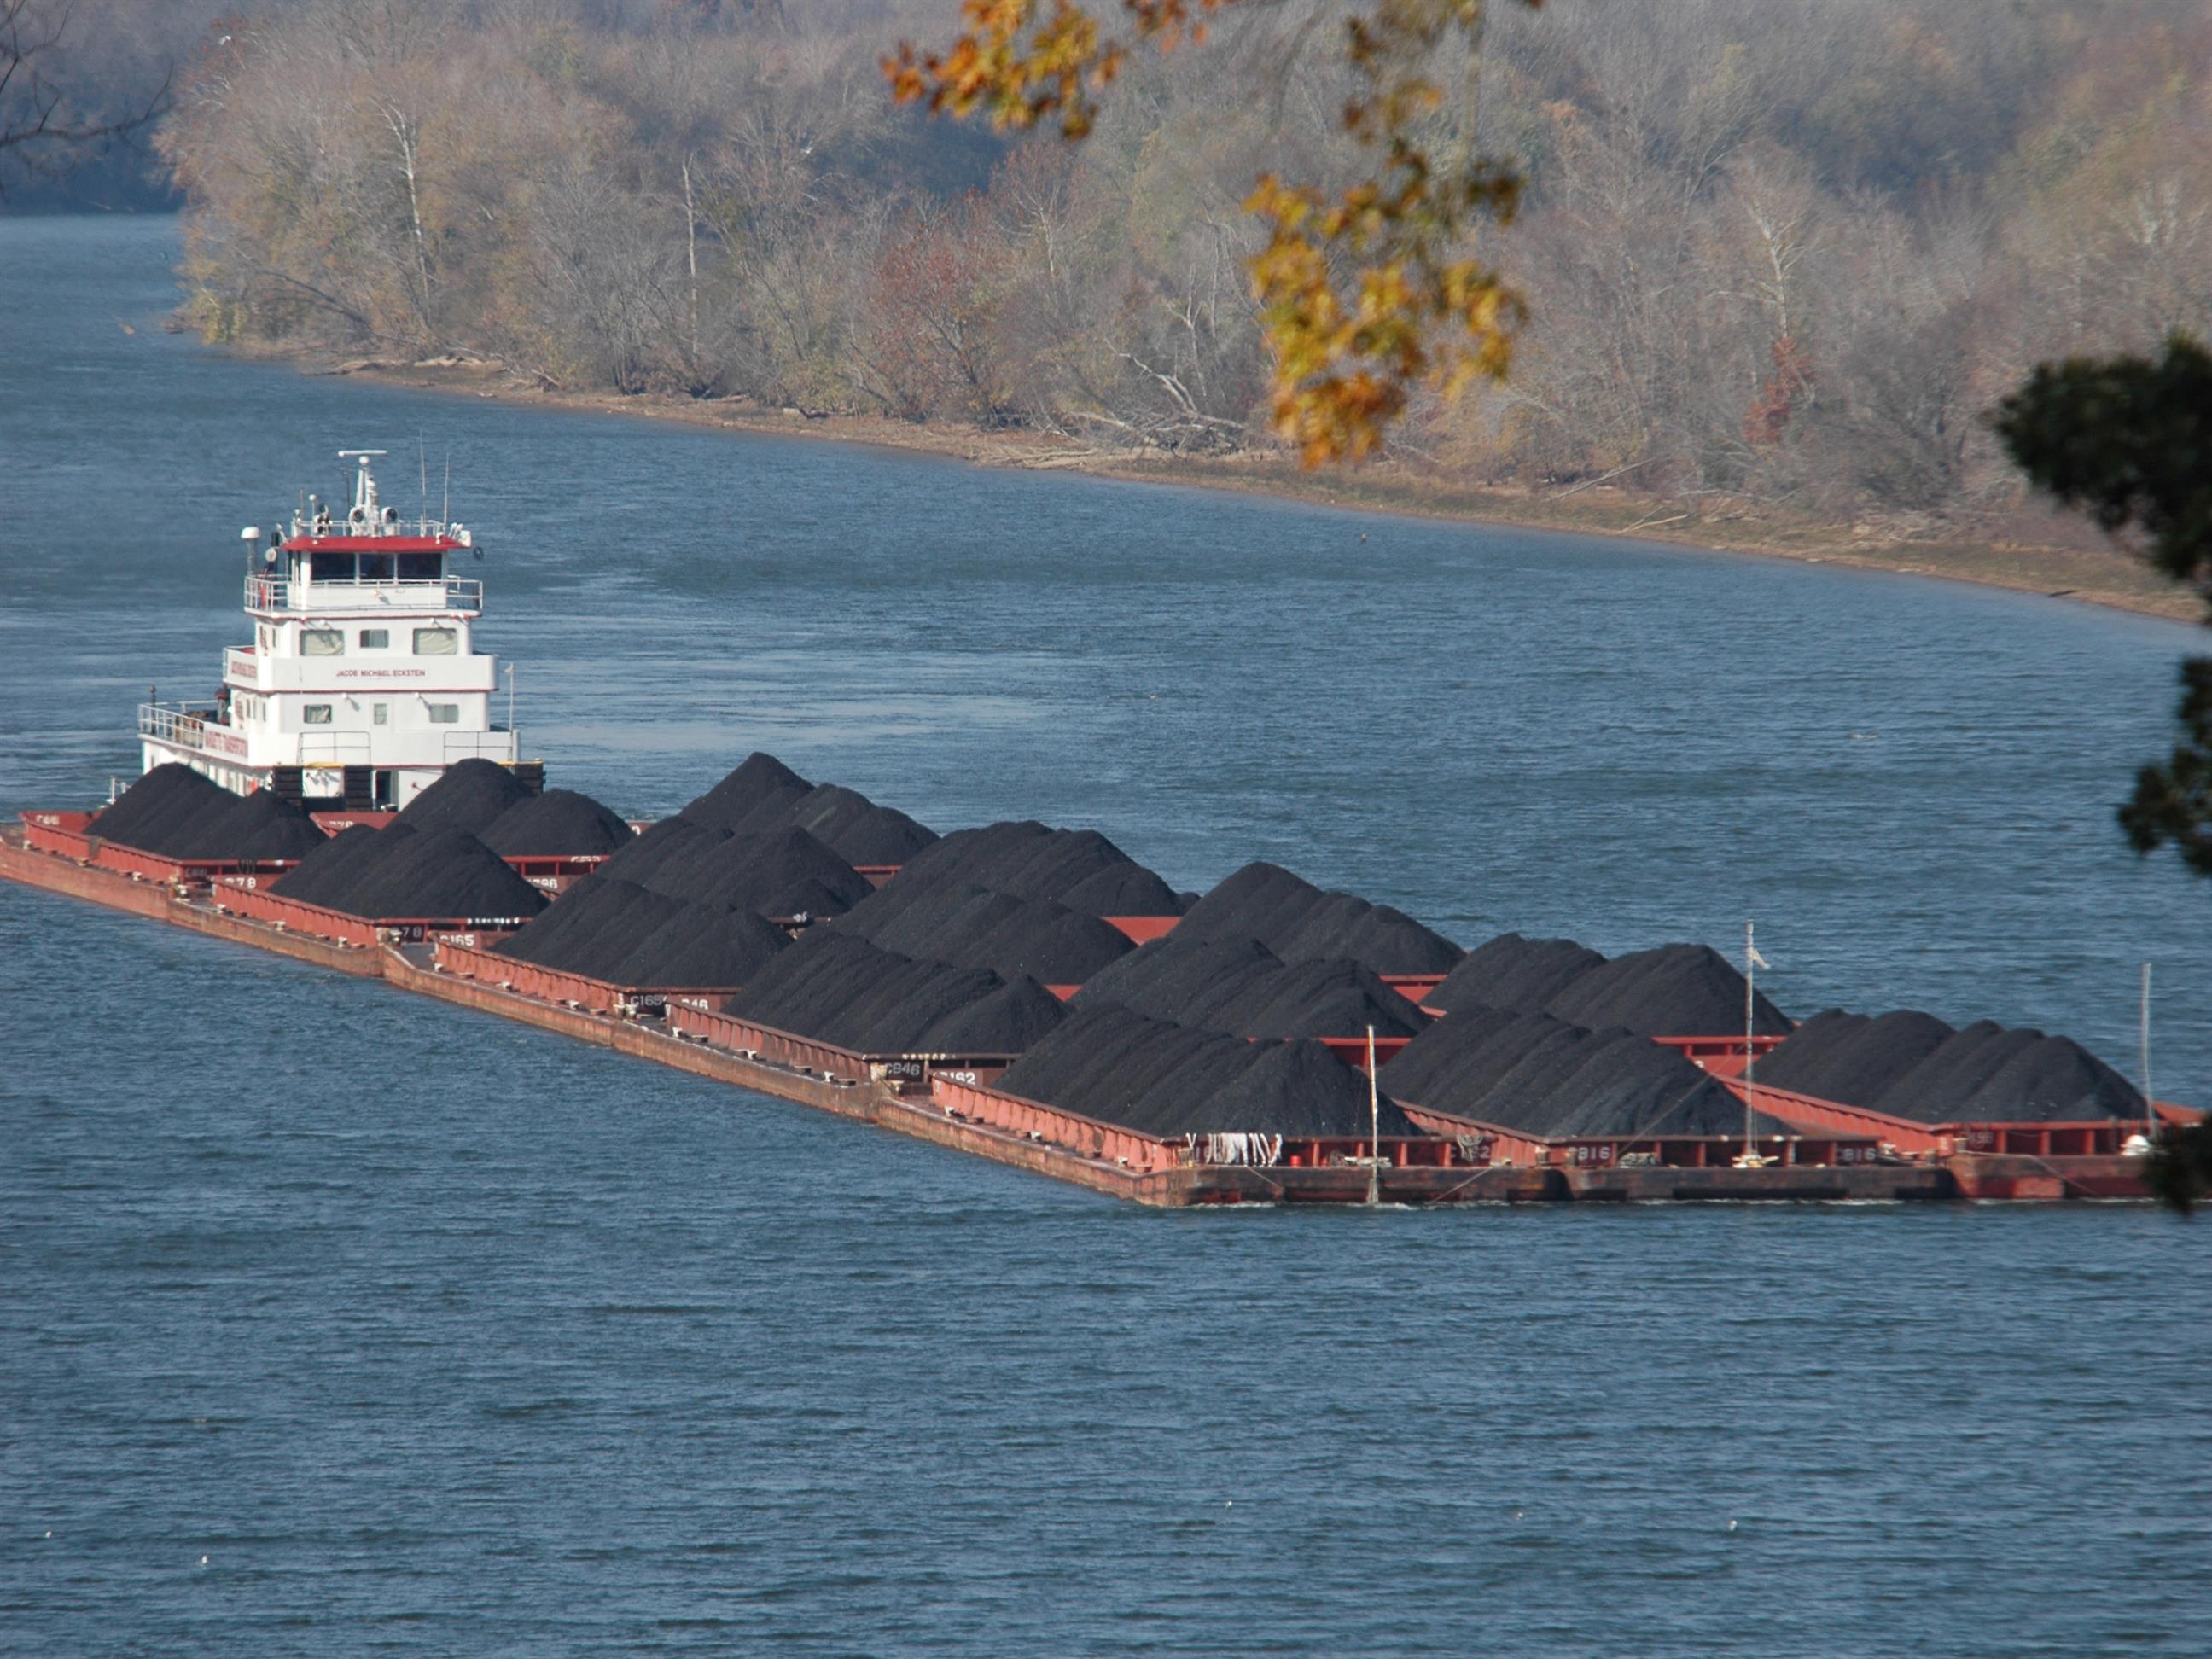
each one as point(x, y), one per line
point(361, 682)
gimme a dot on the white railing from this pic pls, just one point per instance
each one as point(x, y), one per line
point(281, 593)
point(184, 724)
point(496, 745)
point(330, 523)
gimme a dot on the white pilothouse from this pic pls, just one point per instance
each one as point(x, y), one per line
point(362, 683)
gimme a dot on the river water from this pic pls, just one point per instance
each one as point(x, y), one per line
point(332, 1320)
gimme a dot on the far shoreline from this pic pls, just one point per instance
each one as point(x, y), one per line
point(2102, 576)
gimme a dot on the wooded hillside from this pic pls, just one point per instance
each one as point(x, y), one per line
point(1787, 250)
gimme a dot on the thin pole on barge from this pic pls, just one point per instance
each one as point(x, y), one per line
point(1373, 1126)
point(2150, 1111)
point(1752, 962)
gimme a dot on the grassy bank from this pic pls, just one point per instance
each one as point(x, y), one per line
point(2093, 574)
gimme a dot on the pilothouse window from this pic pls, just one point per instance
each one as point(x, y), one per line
point(421, 567)
point(322, 643)
point(437, 642)
point(331, 568)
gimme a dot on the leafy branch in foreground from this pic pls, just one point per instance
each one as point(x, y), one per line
point(2128, 441)
point(2180, 1172)
point(1364, 296)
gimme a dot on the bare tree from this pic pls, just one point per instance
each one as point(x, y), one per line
point(1762, 268)
point(45, 126)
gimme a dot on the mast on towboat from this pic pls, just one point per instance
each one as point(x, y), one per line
point(1752, 962)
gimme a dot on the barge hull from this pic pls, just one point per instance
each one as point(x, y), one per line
point(140, 897)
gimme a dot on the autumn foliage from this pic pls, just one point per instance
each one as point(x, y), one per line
point(1364, 295)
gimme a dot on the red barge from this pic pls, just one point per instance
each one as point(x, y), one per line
point(1846, 1152)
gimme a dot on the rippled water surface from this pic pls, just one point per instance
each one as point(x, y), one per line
point(332, 1320)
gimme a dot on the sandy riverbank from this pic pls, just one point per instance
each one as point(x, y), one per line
point(2092, 574)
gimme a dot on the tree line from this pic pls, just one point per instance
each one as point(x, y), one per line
point(1787, 250)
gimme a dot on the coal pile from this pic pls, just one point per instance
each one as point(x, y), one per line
point(593, 927)
point(1028, 859)
point(856, 829)
point(1060, 862)
point(702, 948)
point(354, 858)
point(189, 828)
point(179, 814)
point(325, 874)
point(1852, 1058)
point(263, 828)
point(1292, 1089)
point(560, 824)
point(161, 811)
point(1990, 1073)
point(1456, 1064)
point(1161, 1078)
point(1913, 1065)
point(1120, 1066)
point(1014, 1017)
point(153, 805)
point(759, 779)
point(568, 921)
point(1513, 972)
point(1300, 922)
point(2053, 1080)
point(897, 1006)
point(469, 796)
point(784, 873)
point(1048, 943)
point(609, 929)
point(1937, 1089)
point(844, 991)
point(771, 813)
point(1545, 1076)
point(403, 873)
point(1125, 890)
point(1023, 925)
point(1239, 987)
point(623, 920)
point(974, 927)
point(822, 971)
point(1191, 982)
point(442, 874)
point(641, 858)
point(1676, 990)
point(1327, 998)
point(764, 797)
